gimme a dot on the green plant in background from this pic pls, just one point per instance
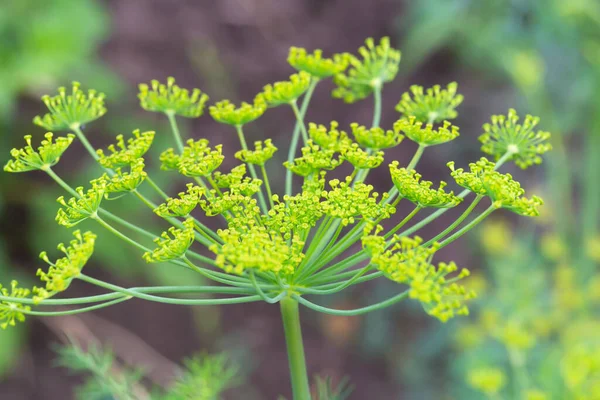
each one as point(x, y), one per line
point(280, 247)
point(535, 337)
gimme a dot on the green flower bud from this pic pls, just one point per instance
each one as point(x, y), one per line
point(426, 136)
point(171, 99)
point(184, 205)
point(11, 311)
point(315, 64)
point(85, 206)
point(47, 154)
point(71, 111)
point(506, 136)
point(285, 92)
point(430, 106)
point(379, 64)
point(376, 138)
point(198, 159)
point(263, 152)
point(226, 113)
point(124, 154)
point(172, 244)
point(411, 187)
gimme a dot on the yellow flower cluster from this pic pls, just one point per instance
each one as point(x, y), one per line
point(173, 246)
point(47, 154)
point(123, 154)
point(226, 112)
point(432, 105)
point(172, 99)
point(69, 111)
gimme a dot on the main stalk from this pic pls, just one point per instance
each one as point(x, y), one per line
point(295, 349)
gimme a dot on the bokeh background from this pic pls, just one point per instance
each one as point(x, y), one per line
point(535, 278)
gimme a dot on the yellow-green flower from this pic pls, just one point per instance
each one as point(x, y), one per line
point(379, 64)
point(285, 92)
point(407, 262)
point(257, 248)
point(65, 269)
point(313, 160)
point(348, 202)
point(315, 64)
point(411, 187)
point(432, 105)
point(426, 135)
point(331, 138)
point(504, 135)
point(198, 159)
point(361, 159)
point(502, 189)
point(182, 206)
point(47, 154)
point(124, 181)
point(488, 380)
point(226, 112)
point(123, 154)
point(263, 152)
point(70, 111)
point(173, 246)
point(295, 214)
point(171, 99)
point(376, 138)
point(85, 206)
point(13, 311)
point(169, 160)
point(230, 179)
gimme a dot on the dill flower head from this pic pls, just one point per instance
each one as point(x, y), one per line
point(361, 159)
point(348, 202)
point(69, 111)
point(376, 138)
point(315, 64)
point(171, 99)
point(172, 244)
point(411, 187)
point(426, 135)
point(263, 152)
point(256, 248)
point(285, 92)
point(65, 269)
point(123, 154)
point(12, 311)
point(505, 135)
point(47, 154)
point(379, 64)
point(432, 105)
point(313, 160)
point(332, 138)
point(226, 112)
point(502, 189)
point(182, 206)
point(407, 262)
point(198, 159)
point(123, 181)
point(85, 206)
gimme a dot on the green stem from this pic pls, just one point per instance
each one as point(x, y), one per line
point(376, 106)
point(263, 295)
point(300, 119)
point(157, 188)
point(120, 235)
point(403, 222)
point(457, 222)
point(175, 131)
point(290, 316)
point(356, 311)
point(267, 185)
point(261, 197)
point(167, 300)
point(416, 157)
point(467, 227)
point(61, 183)
point(80, 135)
point(296, 135)
point(75, 311)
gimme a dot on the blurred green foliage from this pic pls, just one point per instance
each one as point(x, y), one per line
point(44, 42)
point(534, 331)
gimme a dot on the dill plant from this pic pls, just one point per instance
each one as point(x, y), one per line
point(280, 247)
